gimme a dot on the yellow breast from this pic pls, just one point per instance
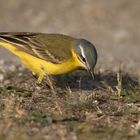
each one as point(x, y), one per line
point(42, 67)
point(39, 66)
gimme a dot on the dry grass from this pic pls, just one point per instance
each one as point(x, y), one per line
point(70, 107)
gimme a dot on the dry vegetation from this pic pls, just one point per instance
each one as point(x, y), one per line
point(74, 106)
point(69, 107)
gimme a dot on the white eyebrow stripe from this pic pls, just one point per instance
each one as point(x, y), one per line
point(83, 54)
point(82, 51)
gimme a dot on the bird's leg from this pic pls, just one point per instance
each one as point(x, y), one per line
point(40, 78)
point(49, 81)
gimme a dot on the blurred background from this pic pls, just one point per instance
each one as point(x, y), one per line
point(113, 26)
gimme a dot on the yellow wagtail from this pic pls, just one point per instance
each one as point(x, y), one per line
point(50, 53)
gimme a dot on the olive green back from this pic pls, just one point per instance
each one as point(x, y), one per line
point(50, 47)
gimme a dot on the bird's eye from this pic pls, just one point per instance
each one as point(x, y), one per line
point(83, 59)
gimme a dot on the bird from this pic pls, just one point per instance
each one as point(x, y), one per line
point(50, 53)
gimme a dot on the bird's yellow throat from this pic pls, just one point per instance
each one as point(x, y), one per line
point(42, 67)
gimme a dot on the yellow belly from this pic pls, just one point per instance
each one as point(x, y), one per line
point(42, 67)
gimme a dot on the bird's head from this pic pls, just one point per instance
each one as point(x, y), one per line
point(87, 54)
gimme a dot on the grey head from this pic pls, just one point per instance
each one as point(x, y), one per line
point(87, 54)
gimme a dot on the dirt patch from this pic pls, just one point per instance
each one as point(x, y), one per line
point(81, 108)
point(74, 106)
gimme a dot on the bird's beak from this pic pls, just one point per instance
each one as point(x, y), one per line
point(90, 71)
point(92, 74)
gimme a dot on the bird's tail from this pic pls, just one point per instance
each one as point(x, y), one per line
point(11, 42)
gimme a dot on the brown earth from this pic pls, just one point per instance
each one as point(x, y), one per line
point(107, 108)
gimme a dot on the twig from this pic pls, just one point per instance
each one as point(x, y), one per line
point(119, 80)
point(54, 93)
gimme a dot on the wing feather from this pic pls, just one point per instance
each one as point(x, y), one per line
point(51, 47)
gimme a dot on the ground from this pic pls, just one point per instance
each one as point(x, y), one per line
point(73, 106)
point(79, 108)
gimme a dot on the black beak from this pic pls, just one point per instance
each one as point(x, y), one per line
point(92, 74)
point(90, 71)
